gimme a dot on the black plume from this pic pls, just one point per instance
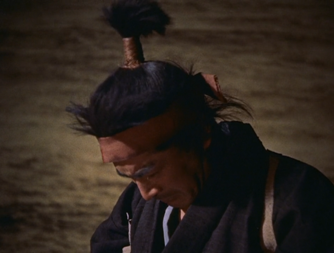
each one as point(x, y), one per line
point(132, 18)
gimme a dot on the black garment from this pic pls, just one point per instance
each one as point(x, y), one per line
point(226, 216)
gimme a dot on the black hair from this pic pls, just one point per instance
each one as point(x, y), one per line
point(131, 96)
point(133, 18)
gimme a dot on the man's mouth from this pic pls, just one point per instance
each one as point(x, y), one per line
point(166, 198)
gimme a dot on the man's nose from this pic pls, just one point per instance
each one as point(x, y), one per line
point(147, 191)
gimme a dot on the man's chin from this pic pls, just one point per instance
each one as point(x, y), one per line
point(172, 200)
point(177, 203)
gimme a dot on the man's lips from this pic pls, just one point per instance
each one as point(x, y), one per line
point(166, 197)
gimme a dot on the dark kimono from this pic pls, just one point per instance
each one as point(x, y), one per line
point(227, 215)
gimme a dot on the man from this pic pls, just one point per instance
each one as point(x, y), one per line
point(198, 185)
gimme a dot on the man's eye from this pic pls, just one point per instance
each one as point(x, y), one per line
point(154, 172)
point(150, 170)
point(147, 167)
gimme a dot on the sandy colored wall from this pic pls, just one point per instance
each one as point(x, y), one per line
point(278, 56)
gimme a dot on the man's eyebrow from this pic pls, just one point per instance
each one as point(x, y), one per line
point(138, 174)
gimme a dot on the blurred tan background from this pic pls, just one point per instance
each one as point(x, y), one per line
point(278, 56)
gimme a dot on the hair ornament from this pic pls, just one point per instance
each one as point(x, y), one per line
point(133, 52)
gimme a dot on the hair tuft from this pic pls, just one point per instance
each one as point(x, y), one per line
point(133, 18)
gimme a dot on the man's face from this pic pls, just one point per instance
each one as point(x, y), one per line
point(172, 175)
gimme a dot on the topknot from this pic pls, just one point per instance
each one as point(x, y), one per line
point(133, 18)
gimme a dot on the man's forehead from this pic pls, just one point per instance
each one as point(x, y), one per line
point(147, 136)
point(133, 158)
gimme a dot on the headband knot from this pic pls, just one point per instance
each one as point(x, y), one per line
point(211, 86)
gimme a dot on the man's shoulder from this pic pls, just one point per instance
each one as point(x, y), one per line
point(303, 207)
point(298, 184)
point(293, 171)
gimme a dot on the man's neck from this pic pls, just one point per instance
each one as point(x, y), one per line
point(182, 214)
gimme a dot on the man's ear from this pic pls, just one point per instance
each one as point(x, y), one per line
point(207, 143)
